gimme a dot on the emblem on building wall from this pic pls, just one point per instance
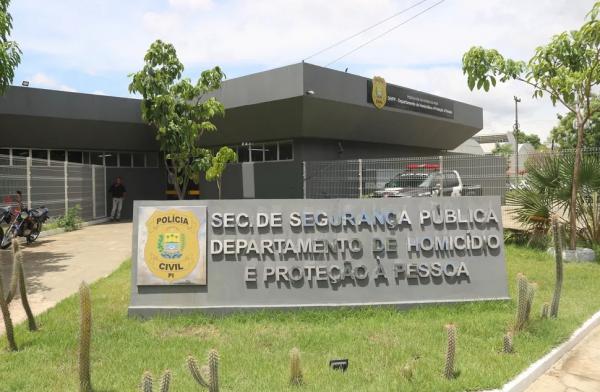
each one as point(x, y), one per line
point(172, 250)
point(379, 92)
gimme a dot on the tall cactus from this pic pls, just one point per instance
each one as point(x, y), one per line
point(16, 257)
point(556, 231)
point(8, 325)
point(507, 343)
point(531, 288)
point(522, 295)
point(450, 351)
point(207, 377)
point(165, 381)
point(85, 337)
point(296, 377)
point(23, 293)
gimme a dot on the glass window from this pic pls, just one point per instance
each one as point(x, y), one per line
point(97, 158)
point(75, 156)
point(151, 159)
point(256, 152)
point(39, 157)
point(110, 158)
point(20, 157)
point(4, 156)
point(124, 159)
point(271, 152)
point(243, 154)
point(138, 159)
point(86, 157)
point(286, 151)
point(57, 157)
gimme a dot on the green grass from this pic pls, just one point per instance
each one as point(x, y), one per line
point(254, 347)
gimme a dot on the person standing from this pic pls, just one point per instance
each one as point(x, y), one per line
point(118, 191)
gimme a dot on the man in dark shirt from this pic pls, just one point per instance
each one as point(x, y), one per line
point(117, 190)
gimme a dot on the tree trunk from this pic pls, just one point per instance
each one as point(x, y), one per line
point(219, 187)
point(575, 186)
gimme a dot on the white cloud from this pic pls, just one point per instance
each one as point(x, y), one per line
point(192, 4)
point(41, 80)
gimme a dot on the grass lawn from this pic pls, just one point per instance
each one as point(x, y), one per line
point(254, 347)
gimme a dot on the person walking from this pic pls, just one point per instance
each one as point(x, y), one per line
point(118, 191)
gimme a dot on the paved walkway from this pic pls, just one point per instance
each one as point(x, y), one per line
point(56, 265)
point(577, 371)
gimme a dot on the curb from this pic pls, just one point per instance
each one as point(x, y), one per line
point(539, 367)
point(52, 232)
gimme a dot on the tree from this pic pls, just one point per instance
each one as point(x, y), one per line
point(530, 138)
point(565, 132)
point(218, 164)
point(10, 54)
point(178, 111)
point(567, 69)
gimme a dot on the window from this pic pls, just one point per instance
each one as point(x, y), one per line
point(110, 158)
point(138, 159)
point(20, 157)
point(86, 157)
point(97, 158)
point(271, 152)
point(286, 151)
point(151, 159)
point(57, 157)
point(75, 156)
point(243, 155)
point(4, 156)
point(39, 157)
point(256, 152)
point(124, 159)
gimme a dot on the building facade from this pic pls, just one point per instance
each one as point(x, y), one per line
point(275, 120)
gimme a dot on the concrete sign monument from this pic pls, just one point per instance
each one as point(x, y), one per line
point(239, 254)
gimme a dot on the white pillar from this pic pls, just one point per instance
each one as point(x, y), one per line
point(28, 183)
point(360, 179)
point(66, 187)
point(94, 191)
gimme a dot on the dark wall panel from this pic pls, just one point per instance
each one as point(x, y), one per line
point(141, 184)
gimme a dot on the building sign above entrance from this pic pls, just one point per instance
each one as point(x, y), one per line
point(407, 99)
point(315, 253)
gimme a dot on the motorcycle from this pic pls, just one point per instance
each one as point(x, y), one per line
point(24, 223)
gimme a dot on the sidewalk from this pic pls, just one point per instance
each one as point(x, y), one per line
point(56, 265)
point(577, 371)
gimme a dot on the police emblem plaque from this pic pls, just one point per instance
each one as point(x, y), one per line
point(172, 246)
point(379, 92)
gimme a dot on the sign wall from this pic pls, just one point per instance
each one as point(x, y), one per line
point(227, 255)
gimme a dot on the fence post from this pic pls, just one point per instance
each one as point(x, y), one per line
point(28, 183)
point(304, 179)
point(360, 181)
point(442, 175)
point(66, 188)
point(105, 194)
point(94, 191)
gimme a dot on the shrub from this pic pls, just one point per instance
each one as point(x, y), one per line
point(71, 220)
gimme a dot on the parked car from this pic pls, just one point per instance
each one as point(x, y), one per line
point(446, 183)
point(414, 175)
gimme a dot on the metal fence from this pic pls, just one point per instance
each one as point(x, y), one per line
point(480, 175)
point(55, 185)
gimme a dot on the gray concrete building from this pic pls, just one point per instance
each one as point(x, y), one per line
point(274, 119)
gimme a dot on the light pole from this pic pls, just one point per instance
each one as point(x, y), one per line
point(516, 134)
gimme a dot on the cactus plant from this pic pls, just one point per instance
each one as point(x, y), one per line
point(295, 367)
point(23, 293)
point(165, 382)
point(545, 310)
point(556, 231)
point(8, 325)
point(16, 257)
point(450, 351)
point(522, 291)
point(507, 343)
point(146, 385)
point(531, 288)
point(208, 377)
point(85, 337)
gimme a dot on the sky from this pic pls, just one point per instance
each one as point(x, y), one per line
point(92, 46)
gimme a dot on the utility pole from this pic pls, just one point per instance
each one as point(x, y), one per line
point(516, 134)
